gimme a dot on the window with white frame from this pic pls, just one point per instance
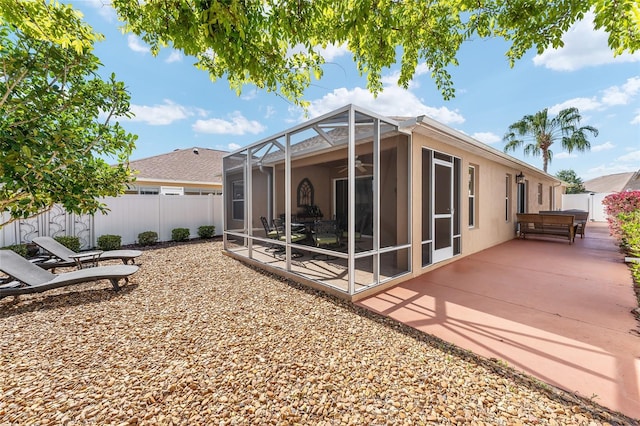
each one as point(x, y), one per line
point(237, 189)
point(472, 196)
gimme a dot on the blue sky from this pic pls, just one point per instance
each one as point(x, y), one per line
point(177, 106)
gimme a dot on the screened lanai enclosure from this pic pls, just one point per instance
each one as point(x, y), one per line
point(326, 202)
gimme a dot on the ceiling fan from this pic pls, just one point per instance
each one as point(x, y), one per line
point(359, 165)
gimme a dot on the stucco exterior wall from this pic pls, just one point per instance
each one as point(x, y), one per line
point(491, 227)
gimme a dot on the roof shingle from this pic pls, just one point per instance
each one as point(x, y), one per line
point(186, 165)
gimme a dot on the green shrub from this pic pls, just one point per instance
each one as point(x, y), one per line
point(207, 231)
point(21, 249)
point(148, 238)
point(70, 242)
point(109, 242)
point(630, 232)
point(180, 234)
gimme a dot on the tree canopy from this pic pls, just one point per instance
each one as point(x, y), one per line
point(537, 132)
point(274, 44)
point(576, 185)
point(57, 116)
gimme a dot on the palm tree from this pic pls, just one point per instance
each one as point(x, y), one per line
point(538, 132)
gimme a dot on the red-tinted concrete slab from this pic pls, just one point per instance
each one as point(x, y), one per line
point(559, 312)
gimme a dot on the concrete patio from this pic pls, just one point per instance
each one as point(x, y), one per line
point(556, 311)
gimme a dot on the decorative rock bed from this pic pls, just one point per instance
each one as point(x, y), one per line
point(198, 338)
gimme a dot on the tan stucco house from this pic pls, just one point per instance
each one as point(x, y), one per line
point(192, 171)
point(405, 197)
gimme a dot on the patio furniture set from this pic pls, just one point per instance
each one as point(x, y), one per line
point(561, 223)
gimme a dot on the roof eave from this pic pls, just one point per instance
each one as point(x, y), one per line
point(452, 136)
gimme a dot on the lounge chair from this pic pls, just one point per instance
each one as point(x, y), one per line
point(29, 278)
point(63, 254)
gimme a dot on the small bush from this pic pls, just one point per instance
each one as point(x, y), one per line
point(180, 234)
point(148, 238)
point(109, 242)
point(207, 231)
point(630, 231)
point(70, 242)
point(617, 203)
point(21, 249)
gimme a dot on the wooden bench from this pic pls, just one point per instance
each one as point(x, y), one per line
point(580, 219)
point(554, 225)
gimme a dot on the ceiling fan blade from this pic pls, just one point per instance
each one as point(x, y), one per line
point(362, 168)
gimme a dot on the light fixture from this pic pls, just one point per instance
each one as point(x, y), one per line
point(520, 178)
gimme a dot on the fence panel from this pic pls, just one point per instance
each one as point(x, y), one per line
point(591, 202)
point(128, 216)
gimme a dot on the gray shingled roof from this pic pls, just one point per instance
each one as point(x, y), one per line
point(183, 165)
point(617, 182)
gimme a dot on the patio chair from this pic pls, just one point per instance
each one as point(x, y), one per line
point(360, 225)
point(326, 235)
point(63, 255)
point(296, 236)
point(270, 233)
point(25, 277)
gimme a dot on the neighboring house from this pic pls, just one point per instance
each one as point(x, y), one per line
point(407, 197)
point(192, 171)
point(618, 182)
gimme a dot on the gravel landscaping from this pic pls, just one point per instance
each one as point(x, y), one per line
point(199, 338)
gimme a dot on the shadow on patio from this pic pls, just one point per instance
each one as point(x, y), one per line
point(558, 312)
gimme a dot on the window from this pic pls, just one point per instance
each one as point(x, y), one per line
point(238, 200)
point(171, 190)
point(472, 196)
point(507, 198)
point(539, 194)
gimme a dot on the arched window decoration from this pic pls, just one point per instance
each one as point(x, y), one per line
point(305, 193)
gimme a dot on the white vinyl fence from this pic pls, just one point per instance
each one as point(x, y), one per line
point(590, 202)
point(129, 215)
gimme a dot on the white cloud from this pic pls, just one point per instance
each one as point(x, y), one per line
point(602, 147)
point(622, 164)
point(270, 112)
point(583, 104)
point(583, 47)
point(249, 95)
point(633, 156)
point(175, 56)
point(233, 146)
point(622, 95)
point(329, 53)
point(392, 78)
point(104, 9)
point(136, 44)
point(332, 51)
point(237, 124)
point(161, 115)
point(564, 155)
point(636, 119)
point(393, 101)
point(487, 137)
point(608, 169)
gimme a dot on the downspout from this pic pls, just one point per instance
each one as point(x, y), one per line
point(553, 201)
